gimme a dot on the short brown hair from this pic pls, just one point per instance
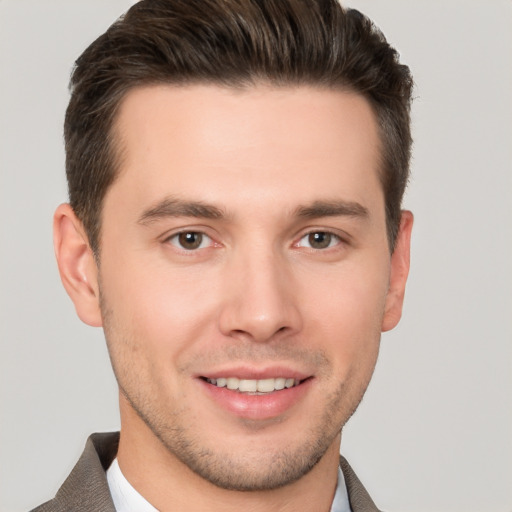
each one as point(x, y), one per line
point(235, 43)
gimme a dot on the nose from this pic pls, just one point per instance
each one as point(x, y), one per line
point(261, 303)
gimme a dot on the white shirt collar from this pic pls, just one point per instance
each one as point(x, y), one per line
point(340, 502)
point(127, 499)
point(124, 496)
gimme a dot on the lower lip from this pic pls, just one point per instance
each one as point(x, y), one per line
point(257, 407)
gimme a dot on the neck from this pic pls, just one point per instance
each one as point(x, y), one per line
point(168, 484)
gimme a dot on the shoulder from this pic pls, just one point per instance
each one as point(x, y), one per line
point(86, 488)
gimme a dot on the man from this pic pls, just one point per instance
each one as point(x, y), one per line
point(235, 172)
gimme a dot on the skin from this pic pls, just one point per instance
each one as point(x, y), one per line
point(258, 294)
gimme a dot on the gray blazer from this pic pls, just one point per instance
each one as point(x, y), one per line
point(86, 488)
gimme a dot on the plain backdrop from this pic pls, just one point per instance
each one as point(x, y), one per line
point(434, 432)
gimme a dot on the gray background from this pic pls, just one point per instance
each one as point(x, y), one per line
point(434, 432)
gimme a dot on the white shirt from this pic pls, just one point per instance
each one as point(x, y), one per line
point(127, 499)
point(124, 496)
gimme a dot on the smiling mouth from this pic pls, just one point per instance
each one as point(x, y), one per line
point(254, 386)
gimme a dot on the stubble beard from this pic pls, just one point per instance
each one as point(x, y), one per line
point(256, 470)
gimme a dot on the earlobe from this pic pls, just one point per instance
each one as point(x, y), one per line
point(77, 266)
point(400, 261)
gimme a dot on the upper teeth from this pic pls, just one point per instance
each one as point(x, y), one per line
point(252, 385)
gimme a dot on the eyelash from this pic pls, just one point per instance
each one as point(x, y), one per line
point(330, 236)
point(176, 237)
point(174, 240)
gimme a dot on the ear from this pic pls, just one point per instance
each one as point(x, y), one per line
point(77, 266)
point(399, 271)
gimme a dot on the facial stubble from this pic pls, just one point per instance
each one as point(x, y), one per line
point(248, 470)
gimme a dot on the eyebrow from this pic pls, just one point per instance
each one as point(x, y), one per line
point(333, 208)
point(172, 207)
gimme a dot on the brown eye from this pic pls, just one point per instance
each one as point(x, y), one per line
point(188, 240)
point(320, 240)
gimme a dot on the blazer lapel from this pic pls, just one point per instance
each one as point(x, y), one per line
point(358, 496)
point(86, 488)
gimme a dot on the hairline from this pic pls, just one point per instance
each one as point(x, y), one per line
point(117, 149)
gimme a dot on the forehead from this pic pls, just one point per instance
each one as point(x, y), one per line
point(260, 141)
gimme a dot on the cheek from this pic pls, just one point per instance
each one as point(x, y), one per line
point(158, 312)
point(346, 314)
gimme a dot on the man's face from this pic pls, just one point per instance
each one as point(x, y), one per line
point(244, 251)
